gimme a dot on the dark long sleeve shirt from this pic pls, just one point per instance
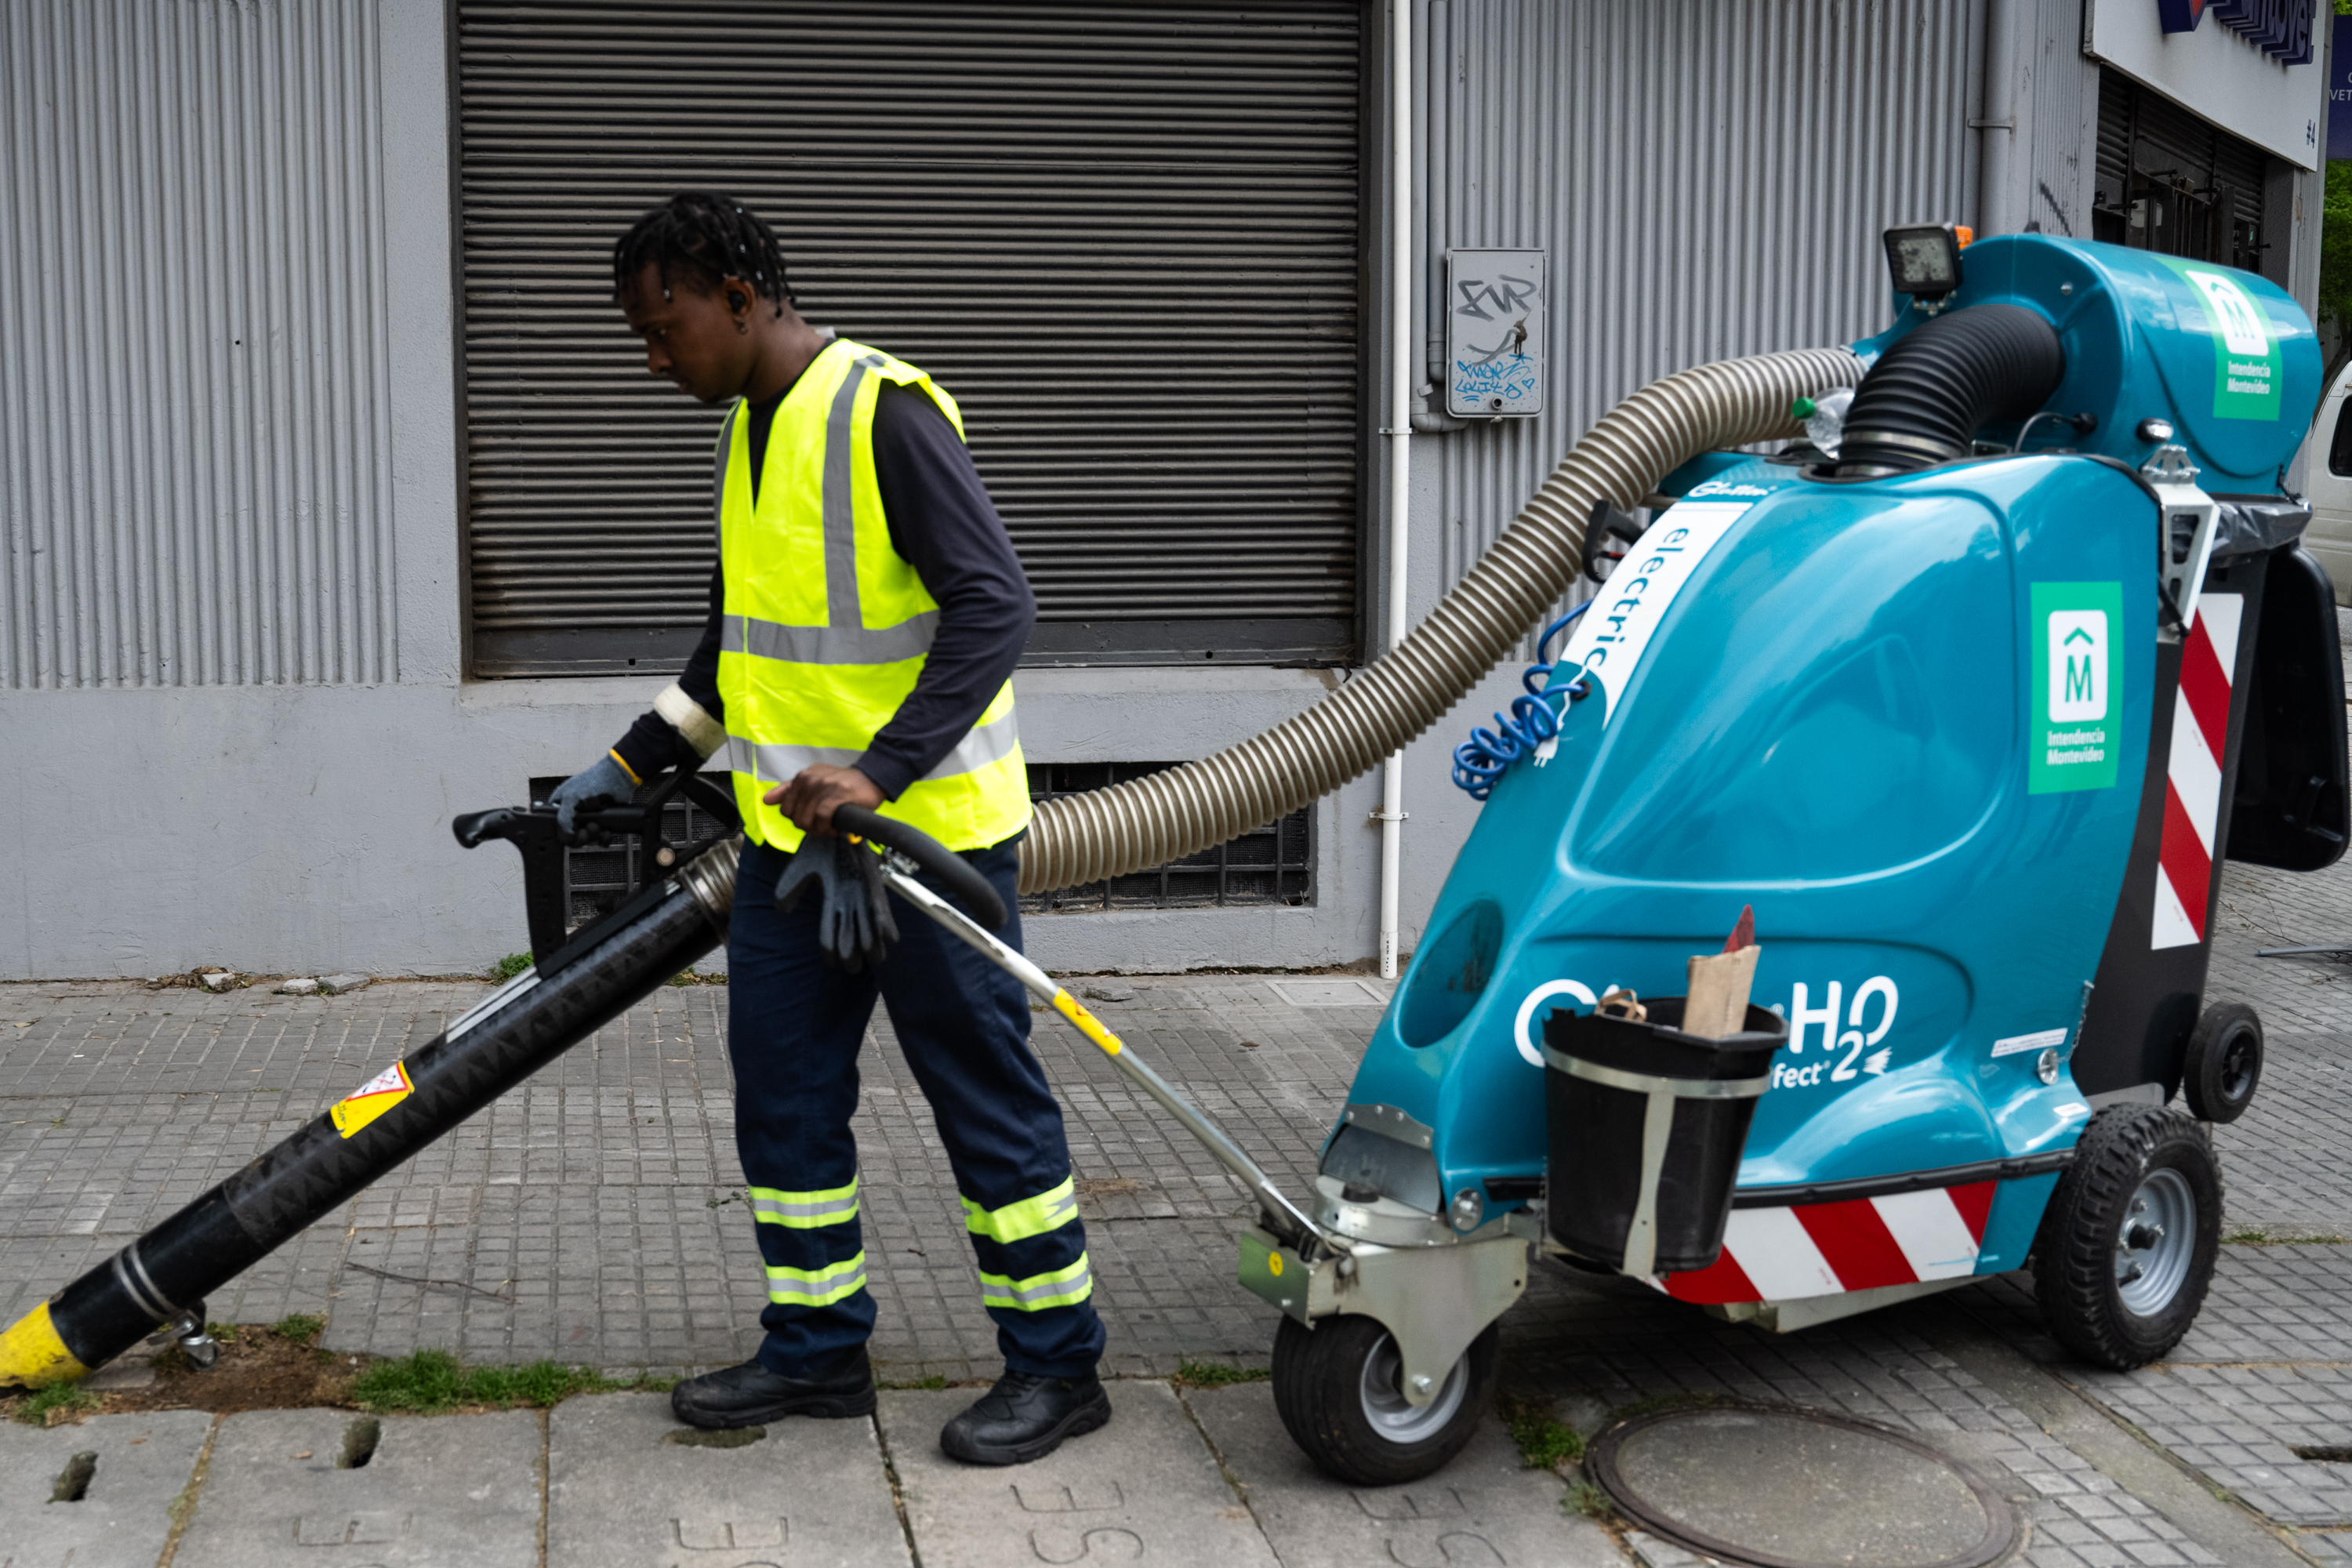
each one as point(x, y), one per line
point(943, 524)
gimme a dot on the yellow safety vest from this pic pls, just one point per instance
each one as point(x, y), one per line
point(826, 627)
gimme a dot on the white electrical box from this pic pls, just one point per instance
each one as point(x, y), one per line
point(1494, 333)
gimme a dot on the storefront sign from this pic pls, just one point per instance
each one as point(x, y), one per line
point(2253, 69)
point(2280, 28)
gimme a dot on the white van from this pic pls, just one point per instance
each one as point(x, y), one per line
point(2327, 472)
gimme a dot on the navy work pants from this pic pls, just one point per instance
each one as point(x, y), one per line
point(795, 1026)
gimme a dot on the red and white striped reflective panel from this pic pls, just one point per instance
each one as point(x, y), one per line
point(1858, 1244)
point(2192, 788)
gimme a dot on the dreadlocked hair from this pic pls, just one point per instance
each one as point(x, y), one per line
point(708, 238)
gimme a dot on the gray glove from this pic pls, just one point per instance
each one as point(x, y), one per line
point(854, 928)
point(604, 780)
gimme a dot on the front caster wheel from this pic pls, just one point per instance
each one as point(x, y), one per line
point(2128, 1242)
point(1339, 1387)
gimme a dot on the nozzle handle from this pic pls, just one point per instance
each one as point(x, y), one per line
point(978, 895)
point(503, 822)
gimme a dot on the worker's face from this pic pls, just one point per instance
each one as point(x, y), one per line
point(700, 341)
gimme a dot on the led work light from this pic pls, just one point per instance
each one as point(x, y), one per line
point(1924, 258)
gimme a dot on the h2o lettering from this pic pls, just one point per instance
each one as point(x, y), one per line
point(1853, 1042)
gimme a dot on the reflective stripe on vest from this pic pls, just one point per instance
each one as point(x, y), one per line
point(983, 744)
point(826, 626)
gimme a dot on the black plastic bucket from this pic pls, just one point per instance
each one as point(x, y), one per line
point(1646, 1126)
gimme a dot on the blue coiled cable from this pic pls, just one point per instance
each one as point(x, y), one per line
point(1481, 760)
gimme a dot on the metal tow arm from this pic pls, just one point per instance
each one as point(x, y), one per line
point(2185, 517)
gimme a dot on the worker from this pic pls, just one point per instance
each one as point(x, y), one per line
point(865, 615)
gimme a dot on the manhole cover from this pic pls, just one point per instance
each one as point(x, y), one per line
point(1342, 993)
point(1780, 1488)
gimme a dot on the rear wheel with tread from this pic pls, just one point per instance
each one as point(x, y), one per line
point(2128, 1241)
point(1339, 1389)
point(2224, 1063)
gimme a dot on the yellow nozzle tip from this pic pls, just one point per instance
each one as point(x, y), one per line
point(32, 1355)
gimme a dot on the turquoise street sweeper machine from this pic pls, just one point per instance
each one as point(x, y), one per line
point(1967, 696)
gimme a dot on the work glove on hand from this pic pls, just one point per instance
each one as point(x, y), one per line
point(854, 928)
point(605, 778)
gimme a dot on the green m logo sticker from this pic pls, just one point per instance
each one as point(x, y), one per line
point(2077, 730)
point(2080, 684)
point(2247, 364)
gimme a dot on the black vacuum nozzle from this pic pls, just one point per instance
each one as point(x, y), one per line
point(1924, 400)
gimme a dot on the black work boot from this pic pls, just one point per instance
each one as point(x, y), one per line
point(1024, 1418)
point(751, 1396)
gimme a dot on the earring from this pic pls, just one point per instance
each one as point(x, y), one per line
point(741, 327)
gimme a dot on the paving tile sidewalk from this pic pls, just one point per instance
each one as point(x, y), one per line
point(594, 1214)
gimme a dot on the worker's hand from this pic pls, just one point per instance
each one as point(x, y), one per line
point(810, 799)
point(604, 782)
point(853, 929)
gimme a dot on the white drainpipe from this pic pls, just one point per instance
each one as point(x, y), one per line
point(1399, 430)
point(1997, 173)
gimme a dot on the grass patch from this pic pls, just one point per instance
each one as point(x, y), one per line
point(58, 1401)
point(2264, 1238)
point(937, 1380)
point(1214, 1374)
point(510, 966)
point(301, 1328)
point(1588, 1499)
point(428, 1383)
point(1545, 1443)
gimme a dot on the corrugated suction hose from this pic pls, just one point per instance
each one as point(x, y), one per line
point(1110, 832)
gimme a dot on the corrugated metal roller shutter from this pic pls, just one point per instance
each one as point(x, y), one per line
point(2200, 186)
point(1123, 235)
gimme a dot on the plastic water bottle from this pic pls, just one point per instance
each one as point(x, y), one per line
point(1824, 417)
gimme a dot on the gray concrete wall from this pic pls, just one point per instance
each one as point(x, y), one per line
point(305, 830)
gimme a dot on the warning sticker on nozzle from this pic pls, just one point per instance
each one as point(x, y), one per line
point(371, 1099)
point(1611, 637)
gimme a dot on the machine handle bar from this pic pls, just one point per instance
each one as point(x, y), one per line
point(978, 894)
point(1281, 1216)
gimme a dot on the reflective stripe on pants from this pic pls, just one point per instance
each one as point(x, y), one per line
point(1061, 1288)
point(805, 1211)
point(1049, 1210)
point(816, 1287)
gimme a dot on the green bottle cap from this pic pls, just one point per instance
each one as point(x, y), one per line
point(1803, 408)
